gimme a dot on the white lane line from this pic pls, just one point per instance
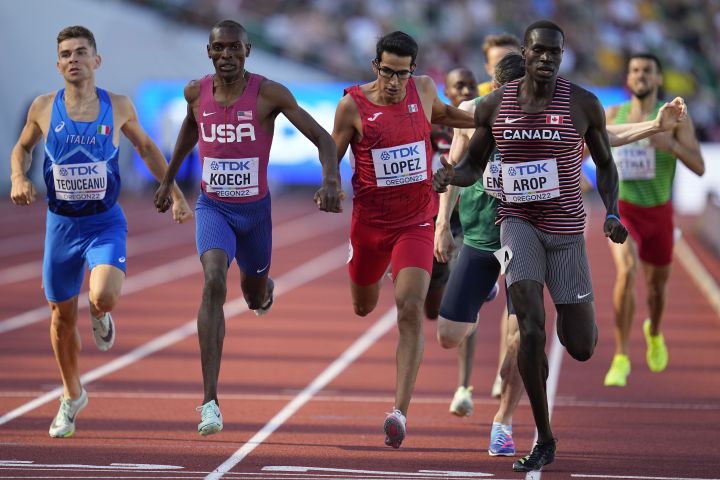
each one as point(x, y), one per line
point(697, 271)
point(375, 332)
point(308, 271)
point(337, 397)
point(383, 473)
point(636, 477)
point(149, 278)
point(288, 233)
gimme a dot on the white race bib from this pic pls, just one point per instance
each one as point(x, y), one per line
point(530, 181)
point(491, 176)
point(400, 165)
point(231, 177)
point(635, 162)
point(80, 181)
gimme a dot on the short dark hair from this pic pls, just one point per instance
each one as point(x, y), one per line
point(509, 68)
point(542, 24)
point(500, 40)
point(399, 43)
point(76, 31)
point(647, 56)
point(232, 24)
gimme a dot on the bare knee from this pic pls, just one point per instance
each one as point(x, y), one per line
point(104, 301)
point(215, 288)
point(533, 339)
point(362, 309)
point(581, 353)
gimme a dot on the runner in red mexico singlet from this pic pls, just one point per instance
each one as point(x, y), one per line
point(387, 125)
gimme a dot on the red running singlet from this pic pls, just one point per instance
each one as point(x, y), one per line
point(392, 163)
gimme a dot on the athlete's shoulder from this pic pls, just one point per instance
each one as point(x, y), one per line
point(41, 102)
point(41, 109)
point(468, 105)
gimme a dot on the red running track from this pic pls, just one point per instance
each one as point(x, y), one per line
point(304, 389)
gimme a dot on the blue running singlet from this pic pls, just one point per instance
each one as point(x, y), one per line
point(81, 163)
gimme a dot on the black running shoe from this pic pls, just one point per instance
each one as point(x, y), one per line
point(542, 454)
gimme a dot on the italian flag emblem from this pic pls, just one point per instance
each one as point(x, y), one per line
point(103, 129)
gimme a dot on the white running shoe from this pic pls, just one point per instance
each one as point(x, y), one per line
point(462, 404)
point(266, 308)
point(63, 424)
point(103, 331)
point(210, 418)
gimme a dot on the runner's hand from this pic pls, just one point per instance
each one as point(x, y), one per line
point(443, 176)
point(671, 114)
point(329, 197)
point(162, 199)
point(615, 230)
point(181, 210)
point(22, 191)
point(444, 244)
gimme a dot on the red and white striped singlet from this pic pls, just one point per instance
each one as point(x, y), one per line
point(541, 162)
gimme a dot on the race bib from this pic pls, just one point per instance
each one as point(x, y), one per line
point(635, 162)
point(400, 165)
point(80, 181)
point(530, 181)
point(491, 176)
point(231, 177)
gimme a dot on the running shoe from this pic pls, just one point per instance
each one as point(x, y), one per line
point(462, 404)
point(657, 354)
point(395, 427)
point(501, 441)
point(210, 418)
point(619, 371)
point(496, 390)
point(542, 454)
point(266, 308)
point(63, 424)
point(103, 331)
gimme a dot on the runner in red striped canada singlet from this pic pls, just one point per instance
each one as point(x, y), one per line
point(387, 125)
point(231, 116)
point(538, 124)
point(541, 162)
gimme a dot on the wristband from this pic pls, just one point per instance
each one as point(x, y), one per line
point(610, 215)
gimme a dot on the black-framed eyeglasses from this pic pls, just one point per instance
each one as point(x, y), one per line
point(388, 73)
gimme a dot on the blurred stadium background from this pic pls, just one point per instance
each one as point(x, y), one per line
point(151, 48)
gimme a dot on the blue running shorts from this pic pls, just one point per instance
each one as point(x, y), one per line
point(471, 280)
point(70, 242)
point(242, 230)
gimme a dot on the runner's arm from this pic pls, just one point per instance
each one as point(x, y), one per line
point(22, 191)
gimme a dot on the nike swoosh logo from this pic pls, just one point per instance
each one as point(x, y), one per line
point(375, 116)
point(580, 297)
point(512, 120)
point(109, 335)
point(263, 269)
point(424, 225)
point(207, 114)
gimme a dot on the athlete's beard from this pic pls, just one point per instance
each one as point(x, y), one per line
point(642, 95)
